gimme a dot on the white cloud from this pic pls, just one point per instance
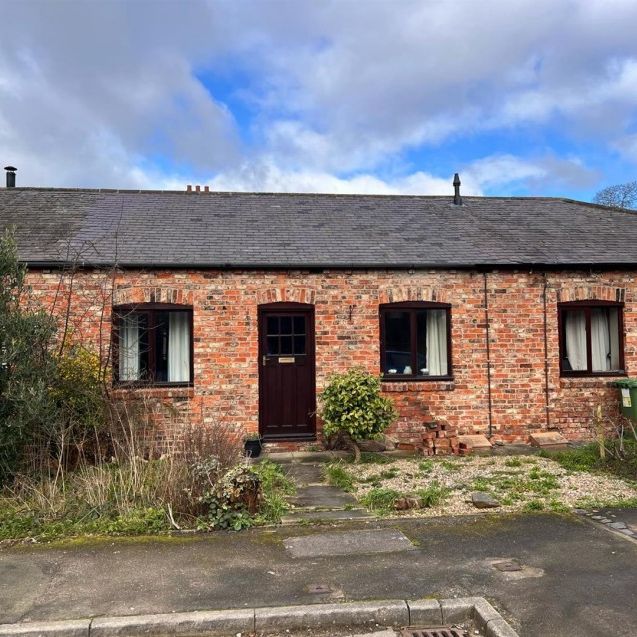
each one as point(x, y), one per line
point(107, 94)
point(267, 176)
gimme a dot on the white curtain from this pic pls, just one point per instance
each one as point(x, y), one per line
point(437, 342)
point(600, 340)
point(178, 347)
point(129, 348)
point(575, 329)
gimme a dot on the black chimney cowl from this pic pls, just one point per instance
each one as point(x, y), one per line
point(457, 199)
point(10, 176)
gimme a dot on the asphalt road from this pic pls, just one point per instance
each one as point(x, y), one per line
point(562, 575)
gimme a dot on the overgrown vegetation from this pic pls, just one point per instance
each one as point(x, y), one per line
point(587, 458)
point(76, 460)
point(353, 409)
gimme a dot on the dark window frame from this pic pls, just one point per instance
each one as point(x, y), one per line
point(150, 310)
point(412, 307)
point(587, 306)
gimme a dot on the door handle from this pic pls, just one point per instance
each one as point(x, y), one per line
point(264, 360)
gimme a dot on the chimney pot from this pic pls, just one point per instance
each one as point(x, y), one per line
point(10, 176)
point(189, 188)
point(457, 199)
point(198, 188)
point(206, 188)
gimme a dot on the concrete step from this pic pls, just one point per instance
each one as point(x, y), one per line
point(327, 515)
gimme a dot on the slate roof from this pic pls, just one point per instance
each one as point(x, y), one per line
point(241, 230)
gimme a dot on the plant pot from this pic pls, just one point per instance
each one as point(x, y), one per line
point(253, 448)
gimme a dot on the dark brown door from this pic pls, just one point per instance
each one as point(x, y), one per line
point(287, 399)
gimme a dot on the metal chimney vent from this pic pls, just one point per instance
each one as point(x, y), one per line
point(457, 199)
point(10, 176)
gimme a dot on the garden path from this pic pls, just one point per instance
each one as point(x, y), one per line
point(315, 500)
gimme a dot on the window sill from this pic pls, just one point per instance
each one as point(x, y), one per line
point(438, 383)
point(400, 378)
point(170, 390)
point(594, 375)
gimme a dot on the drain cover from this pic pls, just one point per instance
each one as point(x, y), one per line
point(442, 631)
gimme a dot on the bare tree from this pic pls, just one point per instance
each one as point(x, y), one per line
point(619, 196)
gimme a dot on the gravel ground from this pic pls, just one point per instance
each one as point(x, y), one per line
point(514, 481)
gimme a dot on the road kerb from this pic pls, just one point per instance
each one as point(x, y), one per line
point(394, 613)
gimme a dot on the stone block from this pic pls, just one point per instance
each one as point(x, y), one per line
point(551, 439)
point(474, 441)
point(482, 500)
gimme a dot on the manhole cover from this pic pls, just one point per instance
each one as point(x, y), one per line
point(441, 631)
point(508, 566)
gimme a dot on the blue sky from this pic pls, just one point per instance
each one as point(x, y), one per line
point(521, 97)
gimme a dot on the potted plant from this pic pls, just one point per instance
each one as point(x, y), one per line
point(252, 445)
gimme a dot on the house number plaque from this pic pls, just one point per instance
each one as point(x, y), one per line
point(286, 359)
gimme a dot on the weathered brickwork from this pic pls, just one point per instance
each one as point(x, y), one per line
point(347, 334)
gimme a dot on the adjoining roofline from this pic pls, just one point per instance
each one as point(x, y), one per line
point(315, 194)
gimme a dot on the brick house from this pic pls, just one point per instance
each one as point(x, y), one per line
point(503, 316)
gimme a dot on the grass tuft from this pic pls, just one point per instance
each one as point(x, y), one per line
point(338, 476)
point(433, 495)
point(381, 499)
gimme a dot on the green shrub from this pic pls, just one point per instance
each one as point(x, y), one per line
point(51, 397)
point(351, 404)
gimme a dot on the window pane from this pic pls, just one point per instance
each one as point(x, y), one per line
point(273, 345)
point(613, 326)
point(160, 339)
point(574, 340)
point(273, 325)
point(432, 342)
point(286, 325)
point(605, 339)
point(397, 343)
point(286, 345)
point(299, 325)
point(130, 347)
point(178, 347)
point(299, 344)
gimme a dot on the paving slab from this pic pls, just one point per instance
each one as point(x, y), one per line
point(326, 516)
point(322, 497)
point(304, 473)
point(355, 542)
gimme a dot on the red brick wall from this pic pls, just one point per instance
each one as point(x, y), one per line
point(226, 349)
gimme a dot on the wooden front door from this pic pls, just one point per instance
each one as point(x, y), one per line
point(287, 396)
